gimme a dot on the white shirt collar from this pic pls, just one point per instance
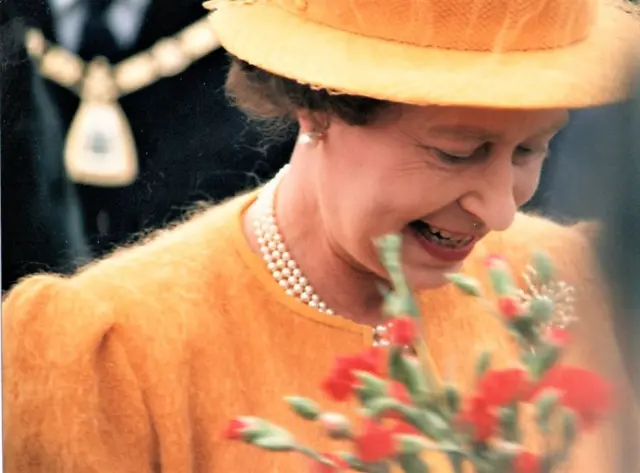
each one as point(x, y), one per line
point(60, 7)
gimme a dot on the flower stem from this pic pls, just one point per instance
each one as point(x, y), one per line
point(308, 452)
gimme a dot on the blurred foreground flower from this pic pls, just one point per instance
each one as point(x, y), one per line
point(405, 411)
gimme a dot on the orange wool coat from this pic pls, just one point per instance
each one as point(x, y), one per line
point(136, 364)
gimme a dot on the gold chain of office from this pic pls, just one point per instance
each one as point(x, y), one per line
point(99, 148)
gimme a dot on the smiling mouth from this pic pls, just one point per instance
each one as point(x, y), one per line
point(439, 236)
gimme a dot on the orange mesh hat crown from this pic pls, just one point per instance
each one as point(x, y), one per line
point(486, 53)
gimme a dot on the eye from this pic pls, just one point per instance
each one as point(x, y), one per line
point(479, 153)
point(525, 154)
point(450, 158)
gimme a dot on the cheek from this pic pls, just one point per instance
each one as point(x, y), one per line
point(526, 184)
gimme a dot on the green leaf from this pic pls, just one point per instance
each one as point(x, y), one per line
point(483, 363)
point(353, 461)
point(257, 428)
point(275, 443)
point(466, 284)
point(400, 304)
point(371, 387)
point(305, 408)
point(452, 399)
point(407, 372)
point(380, 467)
point(545, 405)
point(413, 464)
point(509, 423)
point(456, 462)
point(389, 250)
point(543, 266)
point(547, 355)
point(501, 458)
point(381, 405)
point(501, 282)
point(569, 429)
point(541, 309)
point(525, 326)
point(429, 422)
point(400, 301)
point(411, 444)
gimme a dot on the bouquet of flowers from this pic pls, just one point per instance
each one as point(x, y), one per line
point(407, 411)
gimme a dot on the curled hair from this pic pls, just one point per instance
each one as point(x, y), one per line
point(276, 100)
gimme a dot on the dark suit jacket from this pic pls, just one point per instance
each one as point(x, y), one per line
point(41, 219)
point(192, 144)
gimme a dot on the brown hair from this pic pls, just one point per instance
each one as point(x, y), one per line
point(275, 100)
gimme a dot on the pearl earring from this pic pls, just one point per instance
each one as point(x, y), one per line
point(310, 138)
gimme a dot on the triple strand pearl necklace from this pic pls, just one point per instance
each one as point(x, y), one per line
point(283, 267)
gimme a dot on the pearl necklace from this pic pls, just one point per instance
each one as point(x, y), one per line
point(281, 264)
point(283, 267)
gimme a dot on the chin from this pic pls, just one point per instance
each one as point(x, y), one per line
point(421, 279)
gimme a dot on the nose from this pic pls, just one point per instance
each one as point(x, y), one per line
point(493, 199)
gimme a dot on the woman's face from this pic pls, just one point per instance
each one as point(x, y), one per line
point(443, 176)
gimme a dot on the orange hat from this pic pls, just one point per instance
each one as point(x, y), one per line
point(486, 53)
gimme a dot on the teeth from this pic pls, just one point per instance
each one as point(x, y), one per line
point(445, 237)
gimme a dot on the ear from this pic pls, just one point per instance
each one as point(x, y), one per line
point(306, 121)
point(312, 122)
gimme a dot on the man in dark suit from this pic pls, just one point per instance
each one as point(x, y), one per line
point(41, 218)
point(191, 144)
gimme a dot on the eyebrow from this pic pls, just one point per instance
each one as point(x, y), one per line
point(483, 134)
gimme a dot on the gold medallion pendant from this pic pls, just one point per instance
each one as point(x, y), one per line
point(100, 149)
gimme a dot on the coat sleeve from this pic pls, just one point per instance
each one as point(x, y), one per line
point(72, 402)
point(595, 346)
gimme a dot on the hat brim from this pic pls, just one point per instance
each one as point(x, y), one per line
point(593, 72)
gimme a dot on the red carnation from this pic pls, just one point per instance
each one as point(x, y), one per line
point(338, 386)
point(402, 428)
point(481, 417)
point(496, 261)
point(580, 390)
point(236, 428)
point(509, 307)
point(557, 336)
point(503, 387)
point(339, 464)
point(402, 331)
point(375, 443)
point(342, 380)
point(398, 391)
point(526, 462)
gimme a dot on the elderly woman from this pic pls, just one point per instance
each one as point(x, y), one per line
point(425, 118)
